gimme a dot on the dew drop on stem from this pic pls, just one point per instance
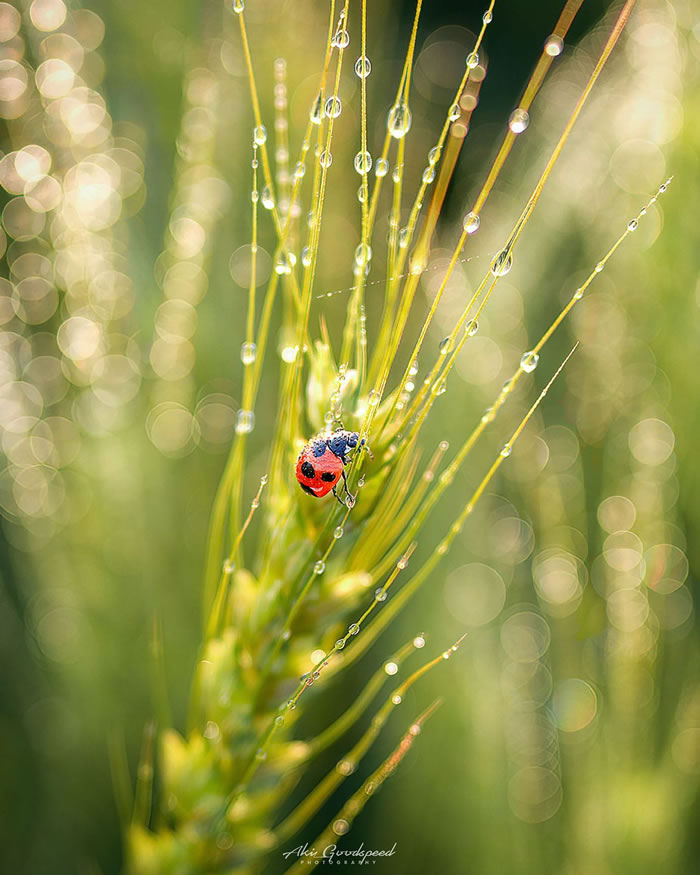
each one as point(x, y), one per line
point(529, 361)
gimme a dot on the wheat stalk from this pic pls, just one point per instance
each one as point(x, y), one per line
point(317, 564)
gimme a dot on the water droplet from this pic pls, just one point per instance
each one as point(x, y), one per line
point(506, 451)
point(529, 361)
point(248, 351)
point(363, 67)
point(600, 266)
point(363, 162)
point(338, 532)
point(404, 238)
point(471, 222)
point(255, 196)
point(632, 225)
point(341, 40)
point(380, 594)
point(396, 699)
point(306, 256)
point(441, 388)
point(433, 156)
point(391, 668)
point(363, 254)
point(445, 345)
point(340, 826)
point(429, 175)
point(333, 107)
point(554, 45)
point(362, 193)
point(283, 264)
point(350, 501)
point(487, 17)
point(446, 654)
point(578, 294)
point(518, 120)
point(396, 173)
point(319, 567)
point(472, 60)
point(502, 263)
point(316, 111)
point(398, 120)
point(353, 629)
point(245, 421)
point(260, 754)
point(299, 169)
point(471, 328)
point(382, 167)
point(291, 704)
point(326, 158)
point(279, 720)
point(238, 6)
point(229, 566)
point(455, 112)
point(419, 642)
point(259, 135)
point(266, 198)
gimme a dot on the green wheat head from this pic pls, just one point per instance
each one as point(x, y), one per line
point(322, 578)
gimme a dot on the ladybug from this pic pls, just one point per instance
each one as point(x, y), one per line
point(322, 462)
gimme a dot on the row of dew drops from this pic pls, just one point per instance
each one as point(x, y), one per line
point(399, 120)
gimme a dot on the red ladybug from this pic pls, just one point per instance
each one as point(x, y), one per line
point(322, 462)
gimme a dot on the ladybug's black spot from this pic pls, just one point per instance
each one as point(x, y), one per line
point(307, 469)
point(307, 489)
point(319, 448)
point(328, 476)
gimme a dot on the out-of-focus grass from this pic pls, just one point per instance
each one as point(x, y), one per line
point(570, 739)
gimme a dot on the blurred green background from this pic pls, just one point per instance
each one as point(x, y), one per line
point(569, 740)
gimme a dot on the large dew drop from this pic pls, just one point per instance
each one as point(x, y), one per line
point(471, 222)
point(398, 121)
point(363, 162)
point(363, 255)
point(316, 111)
point(529, 361)
point(502, 263)
point(248, 352)
point(245, 421)
point(363, 67)
point(554, 46)
point(519, 120)
point(333, 107)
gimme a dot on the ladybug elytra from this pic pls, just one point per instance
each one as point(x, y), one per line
point(322, 462)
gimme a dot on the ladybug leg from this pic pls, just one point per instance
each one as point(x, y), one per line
point(338, 498)
point(345, 481)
